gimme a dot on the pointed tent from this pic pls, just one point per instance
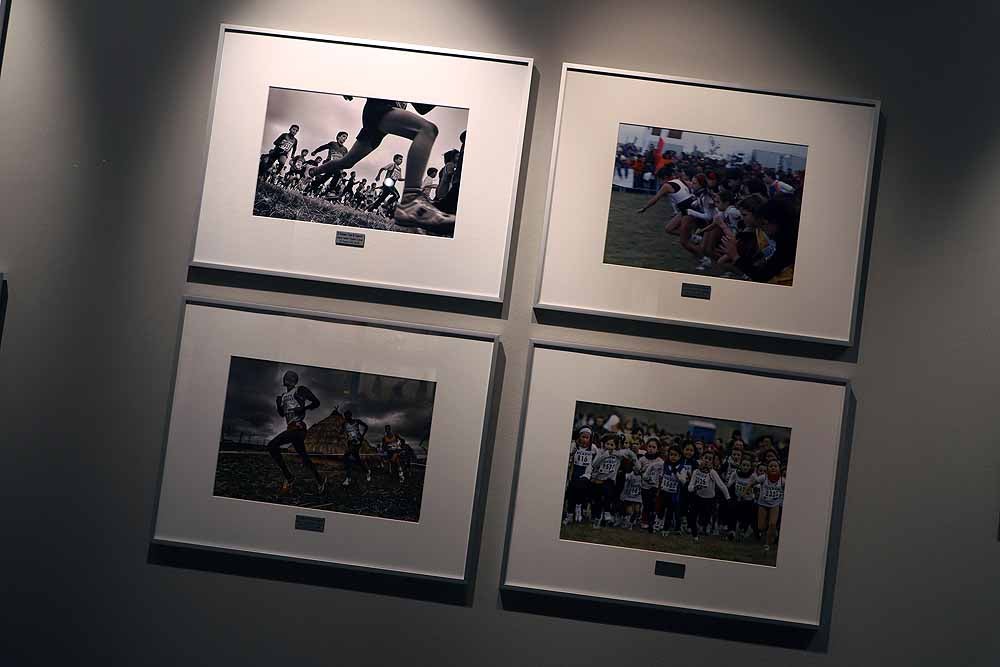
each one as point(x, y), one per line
point(327, 436)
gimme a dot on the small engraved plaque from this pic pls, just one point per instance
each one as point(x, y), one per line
point(315, 524)
point(353, 239)
point(694, 291)
point(668, 569)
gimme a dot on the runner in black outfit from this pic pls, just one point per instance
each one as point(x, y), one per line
point(355, 429)
point(293, 404)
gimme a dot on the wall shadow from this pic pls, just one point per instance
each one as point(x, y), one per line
point(331, 575)
point(694, 335)
point(306, 287)
point(651, 617)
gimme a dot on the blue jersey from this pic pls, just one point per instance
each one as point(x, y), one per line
point(581, 459)
point(670, 483)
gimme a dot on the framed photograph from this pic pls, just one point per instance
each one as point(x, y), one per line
point(327, 440)
point(4, 20)
point(679, 485)
point(369, 163)
point(708, 204)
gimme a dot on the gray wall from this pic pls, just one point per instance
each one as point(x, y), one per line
point(103, 109)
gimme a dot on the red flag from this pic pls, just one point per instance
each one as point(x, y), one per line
point(660, 160)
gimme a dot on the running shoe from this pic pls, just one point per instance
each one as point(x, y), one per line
point(418, 211)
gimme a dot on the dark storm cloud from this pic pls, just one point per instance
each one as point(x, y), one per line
point(320, 116)
point(254, 384)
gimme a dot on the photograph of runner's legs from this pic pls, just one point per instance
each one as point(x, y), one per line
point(311, 140)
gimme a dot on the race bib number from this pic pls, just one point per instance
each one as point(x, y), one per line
point(700, 481)
point(609, 466)
point(772, 493)
point(582, 457)
point(670, 484)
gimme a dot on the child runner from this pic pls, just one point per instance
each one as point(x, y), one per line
point(704, 481)
point(688, 464)
point(772, 496)
point(632, 497)
point(285, 145)
point(650, 470)
point(602, 473)
point(743, 506)
point(429, 186)
point(387, 189)
point(668, 500)
point(578, 490)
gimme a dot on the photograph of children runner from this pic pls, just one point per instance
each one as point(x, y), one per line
point(681, 484)
point(324, 439)
point(705, 204)
point(361, 162)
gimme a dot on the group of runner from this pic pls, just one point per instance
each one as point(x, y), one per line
point(738, 216)
point(430, 196)
point(294, 402)
point(675, 483)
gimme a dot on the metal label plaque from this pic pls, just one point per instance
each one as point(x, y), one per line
point(694, 291)
point(668, 569)
point(352, 239)
point(316, 524)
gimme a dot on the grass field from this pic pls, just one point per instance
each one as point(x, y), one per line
point(254, 476)
point(271, 201)
point(709, 546)
point(639, 240)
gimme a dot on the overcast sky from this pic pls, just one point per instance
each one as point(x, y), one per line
point(678, 423)
point(254, 385)
point(727, 145)
point(320, 116)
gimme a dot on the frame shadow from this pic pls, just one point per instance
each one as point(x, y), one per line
point(299, 571)
point(3, 304)
point(329, 290)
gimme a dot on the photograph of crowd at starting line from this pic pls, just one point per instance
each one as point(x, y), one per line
point(341, 159)
point(706, 204)
point(324, 438)
point(676, 483)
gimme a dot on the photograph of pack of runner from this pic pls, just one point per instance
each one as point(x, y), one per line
point(325, 439)
point(675, 483)
point(707, 204)
point(361, 162)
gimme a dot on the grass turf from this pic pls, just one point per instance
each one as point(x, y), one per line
point(271, 201)
point(748, 551)
point(254, 476)
point(639, 240)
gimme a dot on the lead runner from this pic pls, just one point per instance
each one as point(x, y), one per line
point(293, 404)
